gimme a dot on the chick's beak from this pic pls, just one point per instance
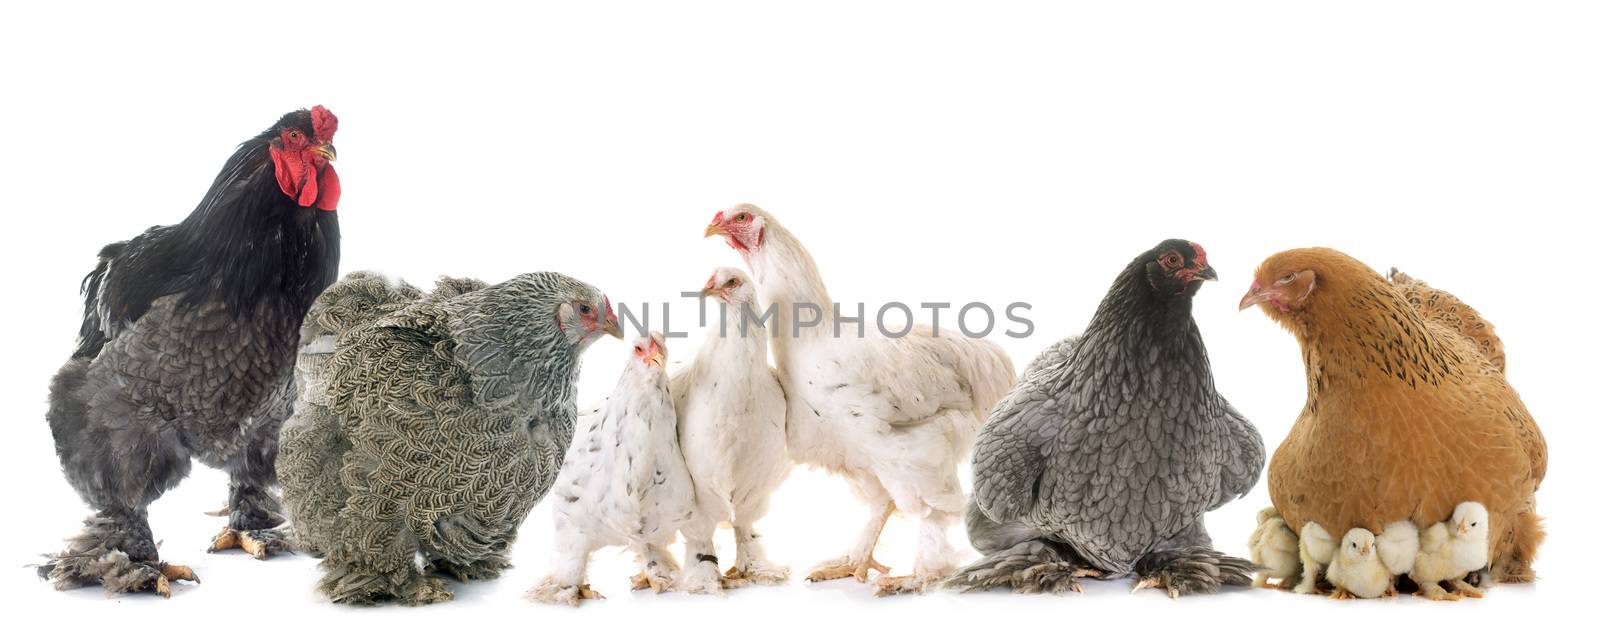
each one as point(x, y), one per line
point(326, 151)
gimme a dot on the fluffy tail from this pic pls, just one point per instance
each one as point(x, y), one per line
point(92, 333)
point(1448, 310)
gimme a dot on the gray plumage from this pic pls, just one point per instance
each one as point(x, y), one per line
point(1106, 456)
point(433, 428)
point(185, 352)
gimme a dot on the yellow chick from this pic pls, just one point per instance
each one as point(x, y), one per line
point(1448, 552)
point(1356, 570)
point(1274, 548)
point(1316, 551)
point(1397, 548)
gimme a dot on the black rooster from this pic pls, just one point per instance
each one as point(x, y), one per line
point(187, 351)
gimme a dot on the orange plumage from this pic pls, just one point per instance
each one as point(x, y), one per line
point(1408, 411)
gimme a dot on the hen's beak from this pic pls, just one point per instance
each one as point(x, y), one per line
point(1207, 273)
point(611, 327)
point(326, 151)
point(710, 291)
point(1252, 297)
point(715, 229)
point(657, 356)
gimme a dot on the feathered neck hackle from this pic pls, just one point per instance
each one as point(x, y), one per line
point(787, 275)
point(509, 330)
point(247, 240)
point(1138, 331)
point(1356, 326)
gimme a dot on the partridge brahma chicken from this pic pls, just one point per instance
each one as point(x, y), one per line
point(1408, 412)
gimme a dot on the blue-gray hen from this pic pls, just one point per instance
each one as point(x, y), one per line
point(439, 426)
point(1106, 456)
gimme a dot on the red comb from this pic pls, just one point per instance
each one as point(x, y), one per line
point(323, 125)
point(1199, 252)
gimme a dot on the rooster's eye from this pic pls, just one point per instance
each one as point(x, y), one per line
point(1286, 279)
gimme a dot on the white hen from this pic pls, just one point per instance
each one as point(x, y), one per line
point(1449, 552)
point(624, 482)
point(1356, 570)
point(730, 422)
point(894, 416)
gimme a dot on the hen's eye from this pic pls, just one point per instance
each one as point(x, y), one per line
point(1286, 279)
point(584, 308)
point(639, 351)
point(733, 283)
point(741, 217)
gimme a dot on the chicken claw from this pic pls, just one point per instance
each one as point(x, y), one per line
point(551, 593)
point(259, 543)
point(644, 580)
point(839, 568)
point(1466, 590)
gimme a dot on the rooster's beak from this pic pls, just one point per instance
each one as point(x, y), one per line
point(326, 151)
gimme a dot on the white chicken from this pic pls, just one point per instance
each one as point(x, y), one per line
point(894, 416)
point(624, 482)
point(1450, 551)
point(1397, 548)
point(1356, 569)
point(1316, 551)
point(730, 423)
point(1274, 548)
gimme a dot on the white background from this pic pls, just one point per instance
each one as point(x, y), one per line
point(922, 151)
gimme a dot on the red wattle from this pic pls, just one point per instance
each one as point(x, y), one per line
point(328, 182)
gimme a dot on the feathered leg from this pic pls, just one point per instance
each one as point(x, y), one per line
point(656, 568)
point(751, 565)
point(700, 559)
point(1017, 557)
point(119, 459)
point(565, 582)
point(934, 558)
point(253, 512)
point(1188, 564)
point(381, 569)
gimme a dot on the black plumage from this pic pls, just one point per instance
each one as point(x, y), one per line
point(186, 351)
point(1107, 455)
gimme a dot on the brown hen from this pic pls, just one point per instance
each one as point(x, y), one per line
point(1408, 411)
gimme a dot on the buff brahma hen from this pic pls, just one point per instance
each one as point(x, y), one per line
point(894, 416)
point(1408, 412)
point(444, 422)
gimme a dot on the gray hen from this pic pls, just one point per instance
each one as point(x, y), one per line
point(1105, 458)
point(441, 425)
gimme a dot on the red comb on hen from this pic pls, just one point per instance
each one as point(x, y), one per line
point(323, 125)
point(1199, 252)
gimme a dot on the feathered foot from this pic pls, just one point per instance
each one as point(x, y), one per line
point(347, 585)
point(1465, 590)
point(1029, 567)
point(1191, 570)
point(486, 569)
point(843, 567)
point(259, 543)
point(906, 584)
point(1433, 591)
point(757, 573)
point(97, 555)
point(549, 592)
point(659, 583)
